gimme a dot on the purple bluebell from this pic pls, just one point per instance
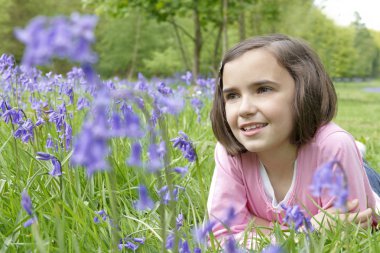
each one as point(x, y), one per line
point(197, 250)
point(181, 170)
point(128, 245)
point(184, 247)
point(200, 233)
point(26, 202)
point(231, 246)
point(24, 131)
point(165, 194)
point(62, 37)
point(144, 202)
point(140, 240)
point(135, 157)
point(179, 221)
point(163, 89)
point(230, 216)
point(30, 221)
point(197, 106)
point(172, 104)
point(6, 61)
point(273, 249)
point(155, 159)
point(187, 77)
point(68, 135)
point(40, 121)
point(82, 103)
point(295, 217)
point(141, 84)
point(183, 143)
point(331, 178)
point(102, 214)
point(133, 127)
point(91, 150)
point(57, 167)
point(169, 241)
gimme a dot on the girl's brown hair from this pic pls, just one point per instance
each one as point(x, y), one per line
point(314, 99)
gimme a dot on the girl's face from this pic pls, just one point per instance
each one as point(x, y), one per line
point(258, 95)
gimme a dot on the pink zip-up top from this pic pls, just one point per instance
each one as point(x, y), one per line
point(237, 181)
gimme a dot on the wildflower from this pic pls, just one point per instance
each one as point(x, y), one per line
point(179, 221)
point(326, 178)
point(273, 249)
point(165, 194)
point(163, 89)
point(61, 37)
point(184, 247)
point(128, 245)
point(82, 103)
point(231, 246)
point(197, 105)
point(144, 202)
point(197, 250)
point(103, 215)
point(187, 77)
point(295, 217)
point(200, 233)
point(57, 168)
point(182, 142)
point(181, 170)
point(135, 158)
point(26, 203)
point(155, 159)
point(140, 240)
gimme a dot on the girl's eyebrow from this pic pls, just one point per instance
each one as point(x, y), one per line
point(256, 83)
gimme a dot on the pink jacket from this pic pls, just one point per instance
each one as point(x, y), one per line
point(237, 182)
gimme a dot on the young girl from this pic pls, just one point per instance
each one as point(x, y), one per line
point(272, 115)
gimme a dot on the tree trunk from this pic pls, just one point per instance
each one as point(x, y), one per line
point(242, 23)
point(135, 48)
point(197, 41)
point(180, 45)
point(225, 23)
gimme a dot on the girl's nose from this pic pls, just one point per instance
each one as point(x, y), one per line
point(247, 107)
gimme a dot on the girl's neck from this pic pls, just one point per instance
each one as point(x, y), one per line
point(279, 162)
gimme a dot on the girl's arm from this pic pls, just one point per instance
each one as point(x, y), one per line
point(227, 202)
point(341, 146)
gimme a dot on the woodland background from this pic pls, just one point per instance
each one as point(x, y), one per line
point(163, 37)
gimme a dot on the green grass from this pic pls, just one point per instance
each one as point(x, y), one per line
point(65, 206)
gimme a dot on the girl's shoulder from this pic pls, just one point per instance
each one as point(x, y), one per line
point(332, 134)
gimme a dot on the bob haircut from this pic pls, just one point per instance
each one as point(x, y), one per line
point(314, 99)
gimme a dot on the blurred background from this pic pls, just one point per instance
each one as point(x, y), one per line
point(164, 37)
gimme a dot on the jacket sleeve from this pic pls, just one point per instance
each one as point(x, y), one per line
point(227, 201)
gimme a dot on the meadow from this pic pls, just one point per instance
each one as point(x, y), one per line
point(91, 165)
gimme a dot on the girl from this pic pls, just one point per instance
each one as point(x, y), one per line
point(272, 115)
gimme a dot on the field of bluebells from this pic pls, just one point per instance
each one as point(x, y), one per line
point(92, 165)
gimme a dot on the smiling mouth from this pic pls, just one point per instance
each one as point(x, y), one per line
point(255, 126)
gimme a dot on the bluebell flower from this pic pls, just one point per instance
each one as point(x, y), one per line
point(144, 202)
point(62, 37)
point(179, 221)
point(197, 250)
point(187, 77)
point(102, 214)
point(57, 167)
point(273, 249)
point(200, 233)
point(331, 178)
point(165, 194)
point(82, 103)
point(184, 144)
point(295, 217)
point(155, 159)
point(197, 106)
point(231, 246)
point(140, 240)
point(128, 245)
point(49, 142)
point(163, 89)
point(26, 203)
point(181, 170)
point(135, 157)
point(184, 247)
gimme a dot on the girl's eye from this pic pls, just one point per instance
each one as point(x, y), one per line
point(231, 96)
point(264, 89)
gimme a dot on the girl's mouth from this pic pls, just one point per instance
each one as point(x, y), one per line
point(254, 126)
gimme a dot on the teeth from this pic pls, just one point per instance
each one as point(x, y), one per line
point(253, 127)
